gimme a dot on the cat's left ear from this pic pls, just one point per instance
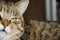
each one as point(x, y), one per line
point(22, 5)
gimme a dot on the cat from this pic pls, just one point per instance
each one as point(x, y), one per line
point(44, 30)
point(11, 19)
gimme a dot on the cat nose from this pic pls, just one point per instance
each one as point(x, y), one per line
point(5, 22)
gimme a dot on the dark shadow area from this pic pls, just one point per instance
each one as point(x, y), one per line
point(35, 10)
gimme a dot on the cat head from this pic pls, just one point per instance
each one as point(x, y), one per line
point(11, 19)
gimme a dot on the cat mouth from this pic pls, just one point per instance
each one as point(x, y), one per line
point(3, 31)
point(6, 29)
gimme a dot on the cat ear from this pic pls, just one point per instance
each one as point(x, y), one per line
point(22, 5)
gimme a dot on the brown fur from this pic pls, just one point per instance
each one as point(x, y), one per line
point(41, 30)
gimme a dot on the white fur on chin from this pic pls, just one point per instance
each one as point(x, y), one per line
point(3, 34)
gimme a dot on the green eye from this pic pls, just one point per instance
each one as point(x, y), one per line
point(13, 18)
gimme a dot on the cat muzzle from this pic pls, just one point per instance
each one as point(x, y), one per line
point(5, 22)
point(4, 25)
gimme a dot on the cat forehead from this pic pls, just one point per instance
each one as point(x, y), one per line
point(5, 8)
point(21, 5)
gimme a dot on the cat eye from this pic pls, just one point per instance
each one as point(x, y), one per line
point(13, 18)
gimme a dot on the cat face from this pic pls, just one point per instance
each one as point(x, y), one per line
point(10, 21)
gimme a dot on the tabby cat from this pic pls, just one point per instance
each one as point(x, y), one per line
point(44, 30)
point(11, 19)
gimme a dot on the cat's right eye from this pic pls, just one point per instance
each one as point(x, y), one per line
point(13, 18)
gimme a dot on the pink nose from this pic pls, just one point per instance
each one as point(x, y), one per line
point(5, 22)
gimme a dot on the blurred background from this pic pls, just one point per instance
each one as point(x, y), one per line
point(42, 10)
